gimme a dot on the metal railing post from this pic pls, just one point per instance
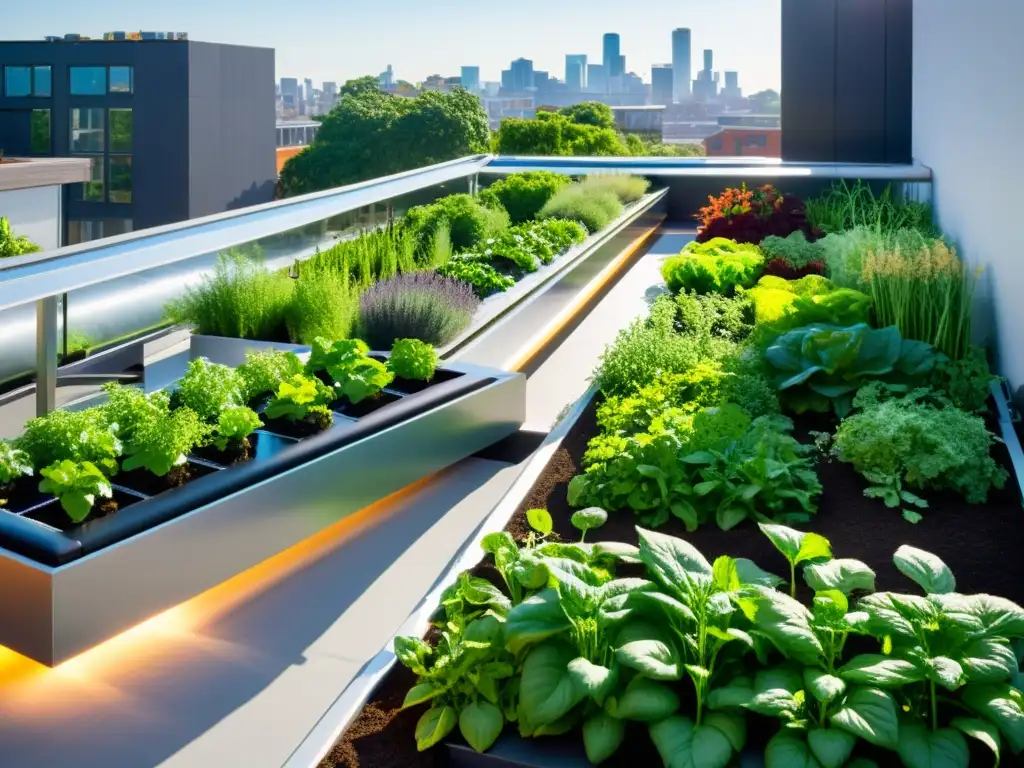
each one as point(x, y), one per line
point(47, 344)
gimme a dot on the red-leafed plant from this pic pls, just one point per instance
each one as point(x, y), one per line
point(785, 270)
point(750, 215)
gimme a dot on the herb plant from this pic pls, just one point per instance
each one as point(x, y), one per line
point(263, 371)
point(14, 463)
point(419, 305)
point(356, 375)
point(594, 209)
point(77, 436)
point(164, 444)
point(234, 425)
point(208, 388)
point(413, 359)
point(302, 398)
point(77, 485)
point(477, 273)
point(131, 409)
point(523, 194)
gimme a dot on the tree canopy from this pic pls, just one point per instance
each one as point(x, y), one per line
point(371, 134)
point(590, 113)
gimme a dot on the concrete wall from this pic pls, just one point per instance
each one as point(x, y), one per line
point(968, 108)
point(35, 213)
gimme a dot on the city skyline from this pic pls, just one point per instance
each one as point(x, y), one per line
point(344, 44)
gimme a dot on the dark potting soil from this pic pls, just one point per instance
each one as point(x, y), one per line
point(53, 514)
point(979, 542)
point(258, 446)
point(146, 482)
point(367, 406)
point(294, 429)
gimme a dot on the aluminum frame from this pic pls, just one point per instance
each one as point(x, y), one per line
point(51, 614)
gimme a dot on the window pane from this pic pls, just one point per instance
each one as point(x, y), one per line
point(120, 179)
point(18, 81)
point(88, 81)
point(41, 137)
point(120, 130)
point(87, 130)
point(86, 230)
point(121, 80)
point(44, 81)
point(92, 191)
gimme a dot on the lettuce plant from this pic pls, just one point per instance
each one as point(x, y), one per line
point(76, 485)
point(821, 364)
point(14, 463)
point(721, 272)
point(262, 372)
point(164, 444)
point(413, 359)
point(356, 375)
point(234, 425)
point(131, 410)
point(208, 388)
point(77, 436)
point(302, 398)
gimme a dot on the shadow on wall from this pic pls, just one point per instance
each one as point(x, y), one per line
point(256, 194)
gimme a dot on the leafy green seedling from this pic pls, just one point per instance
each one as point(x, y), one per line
point(302, 398)
point(413, 359)
point(208, 388)
point(14, 463)
point(165, 444)
point(234, 425)
point(588, 519)
point(797, 547)
point(76, 485)
point(262, 372)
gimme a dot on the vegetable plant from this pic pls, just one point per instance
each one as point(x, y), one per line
point(302, 398)
point(164, 444)
point(484, 278)
point(822, 364)
point(14, 463)
point(208, 388)
point(77, 485)
point(717, 272)
point(77, 436)
point(234, 425)
point(263, 371)
point(131, 409)
point(523, 194)
point(413, 359)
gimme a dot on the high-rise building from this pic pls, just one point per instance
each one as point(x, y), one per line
point(612, 58)
point(709, 59)
point(681, 62)
point(731, 90)
point(596, 80)
point(542, 80)
point(662, 89)
point(576, 72)
point(522, 75)
point(705, 87)
point(290, 95)
point(622, 65)
point(471, 79)
point(309, 95)
point(387, 77)
point(507, 83)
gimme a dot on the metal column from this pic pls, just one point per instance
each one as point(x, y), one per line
point(47, 344)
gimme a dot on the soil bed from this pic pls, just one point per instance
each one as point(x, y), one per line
point(979, 542)
point(53, 514)
point(147, 483)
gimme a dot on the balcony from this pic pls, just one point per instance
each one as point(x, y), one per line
point(250, 616)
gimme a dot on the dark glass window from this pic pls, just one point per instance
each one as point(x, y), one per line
point(121, 80)
point(42, 139)
point(88, 81)
point(120, 130)
point(87, 130)
point(43, 82)
point(92, 191)
point(18, 81)
point(120, 190)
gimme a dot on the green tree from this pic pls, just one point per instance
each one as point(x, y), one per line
point(590, 113)
point(12, 244)
point(371, 134)
point(529, 137)
point(359, 86)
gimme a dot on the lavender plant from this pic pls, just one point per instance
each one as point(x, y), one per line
point(417, 305)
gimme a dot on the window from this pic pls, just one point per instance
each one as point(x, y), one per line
point(121, 80)
point(120, 190)
point(17, 81)
point(757, 140)
point(42, 84)
point(92, 191)
point(88, 81)
point(87, 134)
point(716, 144)
point(86, 230)
point(120, 130)
point(41, 137)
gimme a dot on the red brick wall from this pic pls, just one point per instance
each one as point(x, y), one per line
point(730, 142)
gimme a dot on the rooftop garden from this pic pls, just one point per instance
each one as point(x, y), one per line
point(784, 527)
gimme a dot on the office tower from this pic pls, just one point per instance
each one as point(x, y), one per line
point(173, 129)
point(576, 72)
point(507, 83)
point(681, 62)
point(309, 92)
point(612, 59)
point(542, 80)
point(387, 77)
point(662, 89)
point(705, 87)
point(732, 90)
point(290, 94)
point(709, 57)
point(471, 79)
point(596, 80)
point(330, 89)
point(622, 65)
point(522, 75)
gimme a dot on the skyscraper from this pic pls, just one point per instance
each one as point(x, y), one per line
point(612, 57)
point(705, 87)
point(709, 59)
point(290, 94)
point(596, 80)
point(522, 75)
point(576, 72)
point(662, 91)
point(471, 79)
point(681, 62)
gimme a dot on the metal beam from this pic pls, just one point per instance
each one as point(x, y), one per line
point(47, 346)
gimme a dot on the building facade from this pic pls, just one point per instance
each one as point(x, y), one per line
point(471, 79)
point(612, 61)
point(576, 72)
point(174, 129)
point(662, 84)
point(681, 65)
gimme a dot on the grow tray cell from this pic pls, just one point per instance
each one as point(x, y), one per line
point(52, 514)
point(286, 429)
point(24, 496)
point(262, 447)
point(148, 484)
point(369, 405)
point(412, 386)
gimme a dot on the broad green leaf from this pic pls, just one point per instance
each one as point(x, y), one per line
point(831, 746)
point(535, 619)
point(844, 575)
point(703, 489)
point(422, 692)
point(725, 575)
point(782, 677)
point(786, 540)
point(821, 685)
point(980, 730)
point(1001, 705)
point(493, 543)
point(547, 690)
point(925, 569)
point(946, 672)
point(920, 748)
point(870, 714)
point(775, 703)
point(477, 591)
point(880, 671)
point(540, 520)
point(564, 724)
point(482, 632)
point(813, 547)
point(674, 562)
point(996, 616)
point(621, 551)
point(602, 736)
point(834, 603)
point(530, 571)
point(588, 519)
point(787, 624)
point(434, 725)
point(681, 745)
point(412, 653)
point(737, 693)
point(989, 660)
point(787, 749)
point(729, 516)
point(676, 611)
point(480, 724)
point(594, 680)
point(888, 613)
point(733, 726)
point(750, 573)
point(643, 700)
point(654, 658)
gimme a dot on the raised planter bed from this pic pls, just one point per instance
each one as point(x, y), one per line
point(69, 587)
